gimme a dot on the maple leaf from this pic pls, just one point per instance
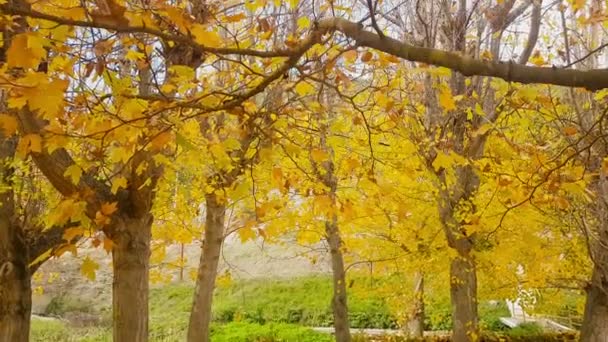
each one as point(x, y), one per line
point(446, 100)
point(109, 208)
point(26, 51)
point(8, 124)
point(304, 88)
point(29, 143)
point(205, 37)
point(89, 268)
point(74, 172)
point(246, 233)
point(319, 155)
point(570, 130)
point(108, 244)
point(70, 233)
point(42, 257)
point(117, 183)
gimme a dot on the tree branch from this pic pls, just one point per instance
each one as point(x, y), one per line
point(593, 79)
point(183, 39)
point(533, 34)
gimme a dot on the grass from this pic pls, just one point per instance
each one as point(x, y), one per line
point(57, 331)
point(261, 309)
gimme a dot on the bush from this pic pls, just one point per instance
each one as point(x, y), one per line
point(303, 301)
point(273, 332)
point(525, 329)
point(60, 305)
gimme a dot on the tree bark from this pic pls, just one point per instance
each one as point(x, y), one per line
point(339, 300)
point(200, 316)
point(131, 265)
point(415, 324)
point(15, 281)
point(463, 291)
point(15, 296)
point(595, 320)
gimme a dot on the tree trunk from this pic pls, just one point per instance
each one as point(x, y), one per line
point(415, 324)
point(463, 290)
point(339, 300)
point(131, 265)
point(595, 320)
point(15, 300)
point(200, 316)
point(15, 283)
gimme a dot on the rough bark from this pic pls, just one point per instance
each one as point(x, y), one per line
point(15, 294)
point(463, 291)
point(200, 316)
point(415, 324)
point(15, 283)
point(595, 326)
point(339, 299)
point(131, 265)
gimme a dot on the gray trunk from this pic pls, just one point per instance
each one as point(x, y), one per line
point(131, 265)
point(415, 324)
point(339, 300)
point(463, 290)
point(595, 321)
point(200, 316)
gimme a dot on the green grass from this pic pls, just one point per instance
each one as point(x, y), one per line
point(56, 331)
point(254, 308)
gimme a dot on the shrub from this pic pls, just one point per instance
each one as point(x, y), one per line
point(273, 332)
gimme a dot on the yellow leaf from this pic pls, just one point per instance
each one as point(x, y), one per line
point(117, 183)
point(448, 160)
point(8, 124)
point(107, 244)
point(537, 59)
point(204, 37)
point(26, 51)
point(133, 55)
point(246, 233)
point(235, 17)
point(577, 4)
point(74, 172)
point(605, 166)
point(303, 23)
point(224, 280)
point(29, 143)
point(109, 208)
point(570, 130)
point(319, 155)
point(70, 233)
point(446, 100)
point(350, 56)
point(88, 268)
point(293, 4)
point(161, 140)
point(277, 175)
point(304, 88)
point(42, 257)
point(68, 247)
